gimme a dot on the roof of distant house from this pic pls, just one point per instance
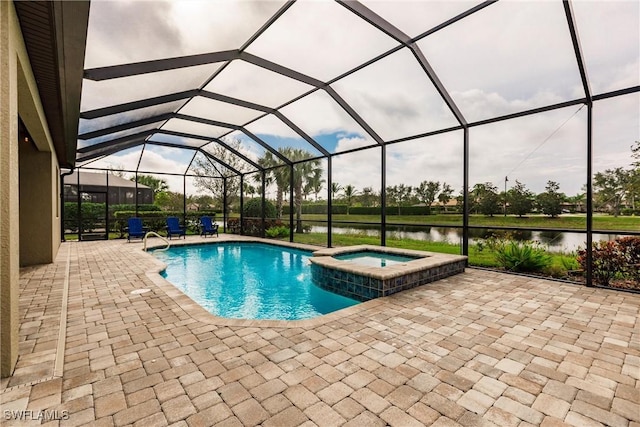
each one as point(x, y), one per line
point(99, 179)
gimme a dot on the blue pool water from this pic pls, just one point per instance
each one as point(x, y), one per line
point(374, 259)
point(249, 281)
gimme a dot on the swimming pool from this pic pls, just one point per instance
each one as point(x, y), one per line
point(249, 281)
point(374, 259)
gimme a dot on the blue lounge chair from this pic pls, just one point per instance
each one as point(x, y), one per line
point(207, 227)
point(135, 229)
point(173, 227)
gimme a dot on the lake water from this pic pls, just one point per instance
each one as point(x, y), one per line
point(554, 241)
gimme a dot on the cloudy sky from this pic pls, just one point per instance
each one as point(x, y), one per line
point(509, 57)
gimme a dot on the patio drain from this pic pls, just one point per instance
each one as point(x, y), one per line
point(140, 291)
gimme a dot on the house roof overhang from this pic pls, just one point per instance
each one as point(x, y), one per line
point(55, 36)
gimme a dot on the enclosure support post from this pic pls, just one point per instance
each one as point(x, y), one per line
point(224, 205)
point(241, 205)
point(136, 196)
point(329, 202)
point(383, 196)
point(106, 220)
point(62, 228)
point(264, 203)
point(465, 195)
point(79, 209)
point(589, 275)
point(184, 202)
point(291, 204)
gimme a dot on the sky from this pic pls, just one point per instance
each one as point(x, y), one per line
point(509, 57)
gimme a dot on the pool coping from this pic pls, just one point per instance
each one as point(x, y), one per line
point(325, 258)
point(199, 313)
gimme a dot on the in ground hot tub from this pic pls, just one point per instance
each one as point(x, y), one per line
point(374, 259)
point(365, 272)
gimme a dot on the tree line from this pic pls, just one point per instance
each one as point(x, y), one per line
point(613, 189)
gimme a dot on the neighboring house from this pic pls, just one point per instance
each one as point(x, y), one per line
point(94, 188)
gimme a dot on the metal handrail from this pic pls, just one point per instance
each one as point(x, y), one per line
point(153, 233)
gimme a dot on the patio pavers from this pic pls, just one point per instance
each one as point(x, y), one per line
point(480, 348)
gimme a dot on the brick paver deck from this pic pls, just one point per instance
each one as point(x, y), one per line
point(477, 349)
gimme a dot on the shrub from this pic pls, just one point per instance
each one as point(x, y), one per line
point(253, 209)
point(277, 232)
point(615, 260)
point(92, 213)
point(607, 261)
point(524, 256)
point(618, 259)
point(157, 220)
point(630, 247)
point(252, 226)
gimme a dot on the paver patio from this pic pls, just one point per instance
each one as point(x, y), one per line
point(477, 349)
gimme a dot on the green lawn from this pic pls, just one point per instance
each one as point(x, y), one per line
point(600, 222)
point(480, 258)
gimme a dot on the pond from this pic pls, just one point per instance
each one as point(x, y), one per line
point(552, 240)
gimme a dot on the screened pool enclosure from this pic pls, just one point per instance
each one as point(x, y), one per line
point(345, 111)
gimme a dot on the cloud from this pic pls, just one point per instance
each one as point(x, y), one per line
point(114, 25)
point(396, 97)
point(511, 56)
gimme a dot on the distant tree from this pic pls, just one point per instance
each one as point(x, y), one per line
point(206, 170)
point(634, 178)
point(349, 194)
point(486, 198)
point(520, 199)
point(427, 191)
point(635, 154)
point(550, 202)
point(156, 184)
point(391, 195)
point(610, 188)
point(275, 175)
point(460, 202)
point(445, 195)
point(404, 195)
point(202, 201)
point(249, 189)
point(302, 173)
point(116, 170)
point(335, 189)
point(315, 183)
point(169, 201)
point(367, 197)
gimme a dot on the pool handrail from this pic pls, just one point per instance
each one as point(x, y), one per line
point(153, 233)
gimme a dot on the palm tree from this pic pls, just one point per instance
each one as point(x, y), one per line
point(349, 193)
point(315, 182)
point(279, 175)
point(302, 173)
point(335, 188)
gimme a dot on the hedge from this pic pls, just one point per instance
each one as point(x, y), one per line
point(362, 210)
point(252, 208)
point(157, 220)
point(116, 208)
point(318, 209)
point(91, 214)
point(251, 226)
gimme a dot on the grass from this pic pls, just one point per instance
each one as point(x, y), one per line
point(600, 222)
point(480, 258)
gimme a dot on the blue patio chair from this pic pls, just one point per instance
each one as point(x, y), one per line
point(135, 229)
point(207, 227)
point(174, 228)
